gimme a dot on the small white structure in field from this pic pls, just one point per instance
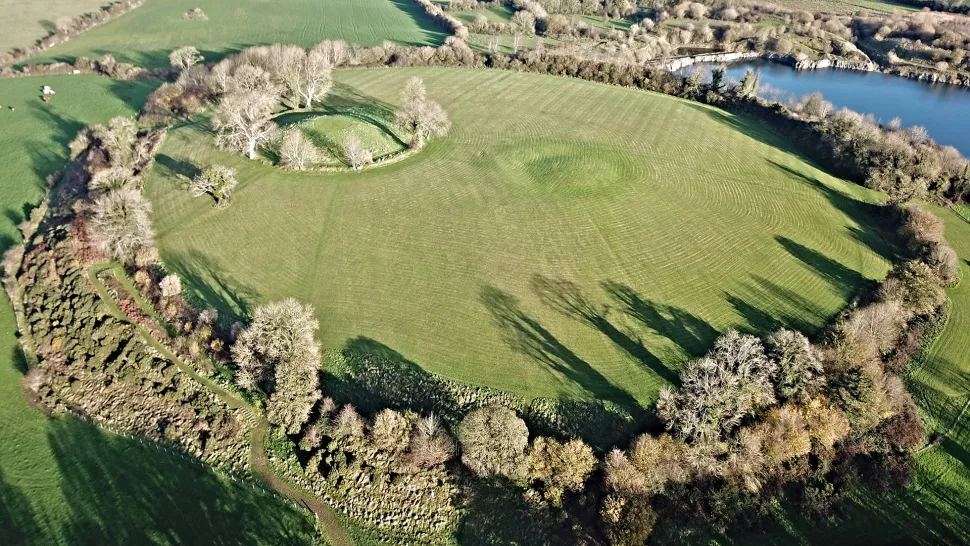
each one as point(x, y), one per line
point(76, 71)
point(48, 90)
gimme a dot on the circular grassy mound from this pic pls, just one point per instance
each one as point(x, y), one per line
point(328, 130)
point(566, 238)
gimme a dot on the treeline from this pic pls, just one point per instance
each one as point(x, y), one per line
point(66, 28)
point(928, 45)
point(107, 65)
point(439, 15)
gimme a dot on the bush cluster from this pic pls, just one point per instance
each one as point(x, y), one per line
point(91, 362)
point(387, 473)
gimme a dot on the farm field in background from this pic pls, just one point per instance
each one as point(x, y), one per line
point(847, 7)
point(146, 35)
point(66, 482)
point(567, 238)
point(25, 21)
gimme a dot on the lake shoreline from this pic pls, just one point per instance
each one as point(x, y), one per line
point(728, 57)
point(944, 110)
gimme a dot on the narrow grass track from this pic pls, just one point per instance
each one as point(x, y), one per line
point(566, 239)
point(333, 530)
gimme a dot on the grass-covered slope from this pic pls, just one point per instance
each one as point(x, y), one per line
point(66, 482)
point(148, 34)
point(567, 238)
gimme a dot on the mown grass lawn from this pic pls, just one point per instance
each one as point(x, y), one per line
point(566, 239)
point(149, 33)
point(66, 482)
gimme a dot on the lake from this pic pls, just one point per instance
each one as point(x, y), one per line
point(943, 109)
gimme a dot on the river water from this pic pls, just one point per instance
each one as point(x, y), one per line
point(943, 109)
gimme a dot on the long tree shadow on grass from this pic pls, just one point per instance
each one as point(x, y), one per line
point(777, 307)
point(527, 336)
point(844, 280)
point(569, 299)
point(692, 334)
point(434, 33)
point(373, 376)
point(18, 523)
point(177, 169)
point(875, 230)
point(120, 491)
point(44, 158)
point(344, 98)
point(210, 285)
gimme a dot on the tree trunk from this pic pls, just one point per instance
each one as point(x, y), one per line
point(309, 95)
point(252, 149)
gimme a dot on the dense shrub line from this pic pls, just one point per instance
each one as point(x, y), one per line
point(91, 362)
point(437, 14)
point(66, 28)
point(107, 65)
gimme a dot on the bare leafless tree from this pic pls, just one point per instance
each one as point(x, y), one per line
point(120, 225)
point(335, 52)
point(356, 155)
point(184, 58)
point(422, 117)
point(243, 120)
point(296, 151)
point(278, 353)
point(215, 180)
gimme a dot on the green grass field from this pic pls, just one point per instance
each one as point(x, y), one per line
point(66, 482)
point(148, 34)
point(566, 239)
point(26, 21)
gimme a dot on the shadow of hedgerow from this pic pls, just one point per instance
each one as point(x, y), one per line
point(373, 376)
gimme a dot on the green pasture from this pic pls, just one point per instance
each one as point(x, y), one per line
point(933, 509)
point(66, 482)
point(847, 7)
point(148, 34)
point(26, 21)
point(566, 239)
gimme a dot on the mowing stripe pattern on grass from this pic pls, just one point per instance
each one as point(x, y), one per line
point(566, 239)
